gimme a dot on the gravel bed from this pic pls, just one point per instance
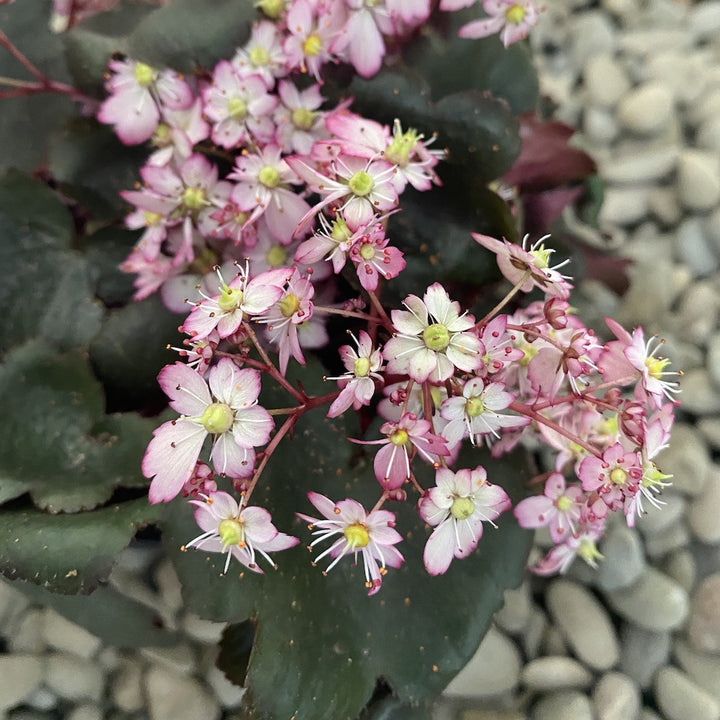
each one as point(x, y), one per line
point(640, 638)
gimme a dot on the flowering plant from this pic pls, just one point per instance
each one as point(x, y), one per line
point(332, 215)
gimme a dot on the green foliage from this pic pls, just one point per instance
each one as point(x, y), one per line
point(301, 614)
point(69, 553)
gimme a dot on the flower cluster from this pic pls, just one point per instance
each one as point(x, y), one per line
point(250, 248)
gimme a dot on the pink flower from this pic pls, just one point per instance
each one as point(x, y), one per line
point(582, 543)
point(475, 413)
point(137, 92)
point(373, 257)
point(496, 347)
point(559, 508)
point(403, 439)
point(358, 384)
point(239, 108)
point(362, 37)
point(227, 410)
point(299, 122)
point(371, 535)
point(457, 507)
point(242, 533)
point(512, 19)
point(529, 268)
point(262, 54)
point(433, 338)
point(241, 297)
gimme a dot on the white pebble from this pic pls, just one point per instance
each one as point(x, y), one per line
point(66, 636)
point(679, 698)
point(172, 695)
point(698, 179)
point(704, 20)
point(20, 675)
point(584, 623)
point(694, 248)
point(555, 673)
point(703, 668)
point(605, 80)
point(624, 206)
point(664, 205)
point(515, 612)
point(73, 678)
point(647, 109)
point(648, 165)
point(126, 687)
point(616, 697)
point(563, 705)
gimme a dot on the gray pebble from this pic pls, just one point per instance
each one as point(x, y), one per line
point(643, 652)
point(687, 458)
point(659, 519)
point(20, 675)
point(563, 705)
point(710, 429)
point(704, 513)
point(675, 537)
point(694, 248)
point(514, 615)
point(616, 697)
point(172, 695)
point(713, 357)
point(654, 602)
point(681, 566)
point(679, 698)
point(699, 394)
point(703, 668)
point(624, 558)
point(704, 621)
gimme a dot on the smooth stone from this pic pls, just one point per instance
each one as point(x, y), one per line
point(621, 8)
point(643, 652)
point(656, 519)
point(66, 636)
point(698, 314)
point(532, 636)
point(648, 714)
point(708, 135)
point(699, 396)
point(204, 631)
point(660, 545)
point(553, 642)
point(654, 602)
point(694, 248)
point(590, 33)
point(555, 673)
point(624, 206)
point(704, 622)
point(616, 697)
point(12, 605)
point(227, 693)
point(126, 687)
point(681, 567)
point(624, 558)
point(704, 20)
point(584, 623)
point(686, 458)
point(682, 73)
point(605, 80)
point(475, 714)
point(87, 711)
point(20, 675)
point(646, 42)
point(664, 205)
point(563, 705)
point(28, 635)
point(703, 668)
point(176, 657)
point(172, 695)
point(646, 109)
point(713, 357)
point(493, 670)
point(73, 678)
point(679, 698)
point(514, 615)
point(710, 429)
point(599, 125)
point(649, 166)
point(169, 585)
point(706, 108)
point(704, 511)
point(42, 699)
point(698, 179)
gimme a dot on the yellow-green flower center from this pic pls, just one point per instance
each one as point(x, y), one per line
point(563, 503)
point(399, 437)
point(588, 551)
point(269, 176)
point(541, 257)
point(403, 144)
point(361, 367)
point(144, 74)
point(302, 118)
point(530, 352)
point(656, 366)
point(217, 418)
point(356, 535)
point(312, 45)
point(474, 407)
point(436, 337)
point(152, 218)
point(340, 231)
point(618, 476)
point(193, 198)
point(361, 184)
point(230, 299)
point(652, 476)
point(231, 532)
point(515, 14)
point(236, 108)
point(276, 256)
point(162, 136)
point(367, 251)
point(289, 305)
point(462, 508)
point(272, 8)
point(259, 56)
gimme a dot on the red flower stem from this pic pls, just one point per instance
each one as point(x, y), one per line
point(527, 330)
point(527, 411)
point(380, 502)
point(380, 310)
point(21, 58)
point(417, 485)
point(514, 291)
point(408, 388)
point(587, 396)
point(347, 313)
point(271, 369)
point(428, 404)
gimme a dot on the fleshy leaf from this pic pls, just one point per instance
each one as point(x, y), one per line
point(301, 614)
point(69, 553)
point(48, 293)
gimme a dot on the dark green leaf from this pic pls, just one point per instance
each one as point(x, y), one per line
point(26, 122)
point(235, 647)
point(130, 350)
point(69, 554)
point(93, 166)
point(108, 614)
point(186, 34)
point(48, 293)
point(391, 708)
point(105, 250)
